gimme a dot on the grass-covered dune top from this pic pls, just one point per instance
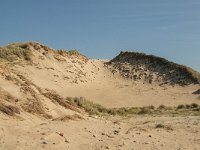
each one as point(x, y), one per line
point(14, 51)
point(168, 71)
point(25, 50)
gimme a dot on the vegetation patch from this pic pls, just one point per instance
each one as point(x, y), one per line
point(69, 117)
point(14, 51)
point(88, 106)
point(97, 109)
point(73, 52)
point(130, 63)
point(56, 98)
point(162, 126)
point(34, 106)
point(9, 109)
point(196, 92)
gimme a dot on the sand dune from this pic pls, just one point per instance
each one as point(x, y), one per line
point(35, 114)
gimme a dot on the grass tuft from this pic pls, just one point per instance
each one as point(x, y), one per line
point(9, 109)
point(181, 106)
point(96, 109)
point(14, 51)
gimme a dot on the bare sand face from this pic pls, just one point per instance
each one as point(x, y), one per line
point(99, 85)
point(35, 115)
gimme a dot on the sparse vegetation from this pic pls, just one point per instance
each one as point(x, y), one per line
point(70, 53)
point(62, 52)
point(34, 106)
point(162, 126)
point(9, 109)
point(96, 109)
point(181, 106)
point(88, 106)
point(60, 100)
point(196, 92)
point(162, 107)
point(145, 110)
point(73, 52)
point(69, 117)
point(130, 63)
point(194, 105)
point(14, 51)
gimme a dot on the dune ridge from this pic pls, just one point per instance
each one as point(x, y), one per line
point(149, 68)
point(58, 99)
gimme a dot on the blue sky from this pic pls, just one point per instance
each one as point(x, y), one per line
point(102, 28)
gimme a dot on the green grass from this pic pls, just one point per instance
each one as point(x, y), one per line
point(88, 106)
point(96, 109)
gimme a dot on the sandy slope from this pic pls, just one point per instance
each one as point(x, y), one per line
point(135, 133)
point(34, 88)
point(98, 84)
point(75, 75)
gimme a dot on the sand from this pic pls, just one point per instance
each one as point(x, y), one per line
point(99, 85)
point(38, 89)
point(99, 133)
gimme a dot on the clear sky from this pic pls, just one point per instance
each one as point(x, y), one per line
point(102, 28)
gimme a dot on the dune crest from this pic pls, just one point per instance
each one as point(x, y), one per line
point(54, 99)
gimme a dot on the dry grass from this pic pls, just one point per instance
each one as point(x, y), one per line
point(162, 126)
point(62, 52)
point(170, 72)
point(96, 109)
point(69, 117)
point(6, 100)
point(52, 95)
point(187, 106)
point(15, 51)
point(7, 97)
point(196, 92)
point(194, 73)
point(9, 109)
point(65, 52)
point(88, 106)
point(34, 106)
point(73, 52)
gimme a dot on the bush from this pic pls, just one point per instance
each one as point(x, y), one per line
point(194, 105)
point(196, 92)
point(181, 106)
point(62, 52)
point(167, 127)
point(162, 107)
point(10, 52)
point(73, 52)
point(187, 106)
point(88, 106)
point(151, 107)
point(159, 126)
point(145, 110)
point(9, 109)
